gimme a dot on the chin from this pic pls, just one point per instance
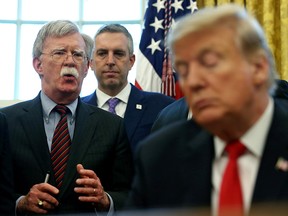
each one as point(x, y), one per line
point(207, 118)
point(70, 89)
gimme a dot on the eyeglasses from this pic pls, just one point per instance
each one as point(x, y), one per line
point(61, 56)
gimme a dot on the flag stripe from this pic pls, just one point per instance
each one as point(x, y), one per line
point(150, 81)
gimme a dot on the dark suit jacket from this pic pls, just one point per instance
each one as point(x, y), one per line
point(7, 204)
point(174, 112)
point(99, 143)
point(174, 166)
point(138, 122)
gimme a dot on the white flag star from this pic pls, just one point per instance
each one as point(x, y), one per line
point(177, 5)
point(160, 5)
point(192, 6)
point(157, 24)
point(154, 46)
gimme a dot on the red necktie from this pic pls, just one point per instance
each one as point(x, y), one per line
point(60, 145)
point(230, 199)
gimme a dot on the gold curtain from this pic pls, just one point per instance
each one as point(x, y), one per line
point(273, 16)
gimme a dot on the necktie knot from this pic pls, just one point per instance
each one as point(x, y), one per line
point(61, 109)
point(112, 102)
point(235, 149)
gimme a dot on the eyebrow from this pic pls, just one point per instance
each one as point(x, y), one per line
point(117, 50)
point(65, 50)
point(205, 51)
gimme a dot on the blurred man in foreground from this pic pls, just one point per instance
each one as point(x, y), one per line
point(234, 152)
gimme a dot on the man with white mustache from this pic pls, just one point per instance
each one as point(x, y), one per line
point(69, 71)
point(95, 174)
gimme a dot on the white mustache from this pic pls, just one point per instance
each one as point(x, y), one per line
point(69, 71)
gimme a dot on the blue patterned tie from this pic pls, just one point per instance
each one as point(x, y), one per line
point(60, 145)
point(112, 102)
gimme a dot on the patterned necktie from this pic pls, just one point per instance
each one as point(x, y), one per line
point(60, 145)
point(112, 102)
point(231, 200)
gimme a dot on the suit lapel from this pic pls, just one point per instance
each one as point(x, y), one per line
point(270, 180)
point(201, 169)
point(91, 99)
point(134, 112)
point(32, 124)
point(199, 154)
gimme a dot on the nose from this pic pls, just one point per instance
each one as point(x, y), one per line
point(196, 77)
point(110, 59)
point(69, 59)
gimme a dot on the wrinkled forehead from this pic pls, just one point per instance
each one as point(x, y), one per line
point(71, 41)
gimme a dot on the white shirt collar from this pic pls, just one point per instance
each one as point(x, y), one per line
point(254, 139)
point(123, 95)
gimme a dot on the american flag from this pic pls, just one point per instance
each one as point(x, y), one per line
point(154, 71)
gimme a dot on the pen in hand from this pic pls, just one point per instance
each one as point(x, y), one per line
point(40, 202)
point(47, 177)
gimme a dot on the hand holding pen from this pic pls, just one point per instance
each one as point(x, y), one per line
point(40, 202)
point(40, 199)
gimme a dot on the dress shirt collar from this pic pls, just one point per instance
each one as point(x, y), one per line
point(123, 95)
point(254, 139)
point(48, 105)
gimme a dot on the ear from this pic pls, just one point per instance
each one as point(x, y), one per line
point(261, 68)
point(86, 72)
point(92, 65)
point(37, 64)
point(86, 69)
point(132, 60)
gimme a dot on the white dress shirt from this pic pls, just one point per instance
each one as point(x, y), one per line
point(254, 140)
point(120, 109)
